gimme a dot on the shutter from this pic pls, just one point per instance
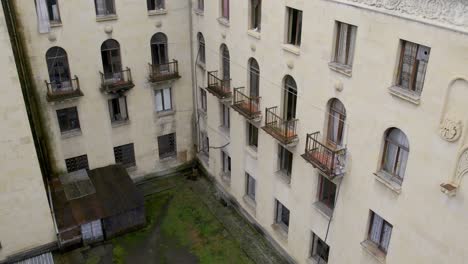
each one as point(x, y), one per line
point(159, 102)
point(376, 227)
point(123, 107)
point(42, 16)
point(352, 42)
point(167, 99)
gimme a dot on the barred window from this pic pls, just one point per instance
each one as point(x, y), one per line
point(167, 146)
point(125, 155)
point(77, 163)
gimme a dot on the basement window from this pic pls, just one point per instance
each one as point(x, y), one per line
point(125, 155)
point(294, 26)
point(77, 163)
point(167, 146)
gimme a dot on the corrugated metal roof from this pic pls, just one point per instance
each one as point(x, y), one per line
point(45, 258)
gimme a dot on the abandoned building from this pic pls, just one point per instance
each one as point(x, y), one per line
point(336, 127)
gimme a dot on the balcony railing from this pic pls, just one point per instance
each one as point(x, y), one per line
point(330, 161)
point(218, 87)
point(246, 105)
point(64, 90)
point(283, 130)
point(164, 71)
point(116, 82)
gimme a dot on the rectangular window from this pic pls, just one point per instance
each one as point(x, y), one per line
point(156, 4)
point(226, 160)
point(118, 109)
point(255, 15)
point(163, 99)
point(225, 116)
point(319, 250)
point(201, 5)
point(205, 143)
point(294, 24)
point(68, 119)
point(77, 163)
point(345, 43)
point(167, 146)
point(252, 135)
point(413, 64)
point(225, 9)
point(327, 192)
point(53, 10)
point(285, 159)
point(104, 7)
point(203, 103)
point(250, 186)
point(380, 232)
point(125, 155)
point(282, 216)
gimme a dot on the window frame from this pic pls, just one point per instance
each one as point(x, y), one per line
point(202, 48)
point(113, 115)
point(171, 146)
point(414, 67)
point(325, 183)
point(75, 161)
point(387, 141)
point(226, 164)
point(121, 159)
point(153, 4)
point(203, 100)
point(252, 137)
point(350, 41)
point(250, 186)
point(289, 98)
point(339, 115)
point(50, 8)
point(381, 232)
point(255, 15)
point(285, 161)
point(254, 78)
point(225, 9)
point(163, 107)
point(58, 65)
point(76, 118)
point(108, 11)
point(294, 28)
point(314, 250)
point(225, 116)
point(279, 216)
point(201, 5)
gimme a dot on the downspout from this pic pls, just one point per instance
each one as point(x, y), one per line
point(194, 82)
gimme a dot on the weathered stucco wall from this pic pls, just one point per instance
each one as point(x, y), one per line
point(25, 218)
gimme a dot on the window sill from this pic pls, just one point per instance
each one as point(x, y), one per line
point(284, 177)
point(165, 113)
point(296, 50)
point(132, 168)
point(281, 231)
point(226, 177)
point(223, 21)
point(254, 33)
point(250, 202)
point(323, 210)
point(106, 18)
point(315, 260)
point(373, 250)
point(120, 123)
point(54, 24)
point(168, 158)
point(71, 133)
point(405, 94)
point(386, 180)
point(251, 151)
point(341, 68)
point(202, 65)
point(157, 12)
point(199, 12)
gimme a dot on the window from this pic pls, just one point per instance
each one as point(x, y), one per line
point(125, 155)
point(59, 71)
point(320, 250)
point(255, 15)
point(327, 192)
point(250, 186)
point(118, 109)
point(159, 52)
point(68, 119)
point(380, 232)
point(285, 160)
point(77, 163)
point(203, 102)
point(294, 23)
point(225, 62)
point(226, 162)
point(53, 10)
point(282, 216)
point(345, 43)
point(289, 98)
point(336, 123)
point(205, 143)
point(167, 146)
point(104, 7)
point(413, 64)
point(201, 5)
point(225, 9)
point(395, 157)
point(156, 4)
point(225, 116)
point(111, 60)
point(201, 48)
point(252, 132)
point(163, 99)
point(254, 80)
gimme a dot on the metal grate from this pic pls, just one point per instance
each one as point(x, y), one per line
point(167, 146)
point(77, 163)
point(125, 155)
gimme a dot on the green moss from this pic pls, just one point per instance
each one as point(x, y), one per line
point(119, 254)
point(93, 260)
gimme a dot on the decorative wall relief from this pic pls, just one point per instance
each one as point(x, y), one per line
point(452, 13)
point(451, 130)
point(450, 188)
point(454, 110)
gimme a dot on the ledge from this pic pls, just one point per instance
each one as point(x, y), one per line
point(341, 68)
point(250, 202)
point(157, 12)
point(120, 123)
point(373, 250)
point(281, 232)
point(106, 18)
point(405, 94)
point(386, 180)
point(55, 24)
point(284, 177)
point(223, 21)
point(252, 152)
point(254, 33)
point(199, 12)
point(71, 133)
point(296, 50)
point(323, 210)
point(166, 113)
point(226, 178)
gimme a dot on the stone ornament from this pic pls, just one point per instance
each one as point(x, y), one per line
point(253, 48)
point(339, 86)
point(451, 130)
point(452, 186)
point(290, 64)
point(108, 29)
point(158, 24)
point(451, 12)
point(52, 37)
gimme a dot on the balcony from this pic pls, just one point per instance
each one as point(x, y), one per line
point(283, 130)
point(116, 82)
point(217, 87)
point(61, 91)
point(329, 160)
point(163, 72)
point(247, 106)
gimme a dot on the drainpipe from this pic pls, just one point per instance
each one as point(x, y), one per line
point(194, 78)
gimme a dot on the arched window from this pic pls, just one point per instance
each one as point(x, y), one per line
point(111, 60)
point(159, 49)
point(201, 47)
point(290, 98)
point(336, 122)
point(254, 78)
point(59, 71)
point(395, 154)
point(225, 63)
